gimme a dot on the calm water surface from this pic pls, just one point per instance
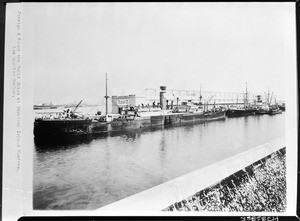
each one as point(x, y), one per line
point(93, 172)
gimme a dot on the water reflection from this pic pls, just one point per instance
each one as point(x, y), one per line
point(163, 149)
point(55, 143)
point(92, 171)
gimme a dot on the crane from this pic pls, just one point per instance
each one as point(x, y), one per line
point(200, 97)
point(76, 106)
point(271, 98)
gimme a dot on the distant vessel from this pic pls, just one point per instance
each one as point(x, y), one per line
point(45, 106)
point(243, 111)
point(238, 112)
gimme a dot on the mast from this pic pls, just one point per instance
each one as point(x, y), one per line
point(271, 97)
point(106, 97)
point(200, 97)
point(268, 99)
point(246, 100)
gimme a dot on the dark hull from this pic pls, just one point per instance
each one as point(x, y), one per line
point(67, 127)
point(261, 112)
point(274, 112)
point(242, 112)
point(71, 127)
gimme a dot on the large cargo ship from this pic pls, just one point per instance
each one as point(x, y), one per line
point(65, 127)
point(71, 124)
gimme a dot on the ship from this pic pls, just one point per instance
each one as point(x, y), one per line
point(239, 112)
point(274, 110)
point(246, 110)
point(45, 106)
point(262, 111)
point(281, 107)
point(72, 124)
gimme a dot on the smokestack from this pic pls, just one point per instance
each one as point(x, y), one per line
point(258, 98)
point(162, 98)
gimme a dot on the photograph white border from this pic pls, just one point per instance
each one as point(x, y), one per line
point(17, 160)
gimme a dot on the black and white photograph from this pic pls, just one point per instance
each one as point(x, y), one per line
point(176, 108)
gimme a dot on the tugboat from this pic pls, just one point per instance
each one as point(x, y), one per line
point(274, 110)
point(281, 107)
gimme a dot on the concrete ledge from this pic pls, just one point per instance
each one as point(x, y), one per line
point(163, 195)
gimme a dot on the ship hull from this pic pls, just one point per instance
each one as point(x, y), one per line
point(74, 127)
point(241, 112)
point(262, 112)
point(274, 112)
point(67, 127)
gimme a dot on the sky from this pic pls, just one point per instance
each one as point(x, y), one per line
point(69, 47)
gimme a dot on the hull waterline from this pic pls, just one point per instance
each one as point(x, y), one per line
point(77, 127)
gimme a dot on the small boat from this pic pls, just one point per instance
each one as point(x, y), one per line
point(281, 107)
point(274, 111)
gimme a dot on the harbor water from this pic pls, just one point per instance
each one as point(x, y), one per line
point(91, 172)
